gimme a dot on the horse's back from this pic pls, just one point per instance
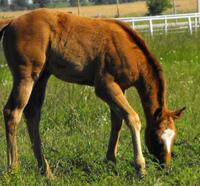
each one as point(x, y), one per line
point(74, 48)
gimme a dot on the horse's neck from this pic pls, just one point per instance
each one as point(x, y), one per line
point(151, 88)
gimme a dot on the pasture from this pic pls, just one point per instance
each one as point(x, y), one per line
point(75, 127)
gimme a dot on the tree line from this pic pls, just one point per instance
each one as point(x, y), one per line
point(155, 7)
point(24, 4)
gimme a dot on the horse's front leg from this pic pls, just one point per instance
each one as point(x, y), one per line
point(116, 125)
point(111, 93)
point(134, 124)
point(32, 114)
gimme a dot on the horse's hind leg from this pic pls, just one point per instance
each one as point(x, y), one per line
point(32, 114)
point(116, 125)
point(12, 114)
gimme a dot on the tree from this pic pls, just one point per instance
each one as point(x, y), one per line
point(75, 2)
point(156, 7)
point(100, 2)
point(41, 3)
point(4, 4)
point(19, 5)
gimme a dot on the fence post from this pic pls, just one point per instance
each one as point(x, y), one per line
point(190, 25)
point(133, 24)
point(165, 26)
point(150, 27)
point(195, 20)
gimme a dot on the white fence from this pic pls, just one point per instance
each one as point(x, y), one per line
point(181, 23)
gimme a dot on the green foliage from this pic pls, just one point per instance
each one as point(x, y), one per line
point(23, 4)
point(75, 127)
point(41, 3)
point(73, 2)
point(156, 7)
point(101, 2)
point(18, 5)
point(58, 4)
point(82, 3)
point(4, 5)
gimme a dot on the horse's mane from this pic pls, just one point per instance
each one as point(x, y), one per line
point(156, 67)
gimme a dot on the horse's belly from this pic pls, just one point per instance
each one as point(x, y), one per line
point(72, 72)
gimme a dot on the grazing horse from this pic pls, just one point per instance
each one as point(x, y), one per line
point(106, 54)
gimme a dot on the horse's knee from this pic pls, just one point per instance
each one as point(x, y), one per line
point(133, 122)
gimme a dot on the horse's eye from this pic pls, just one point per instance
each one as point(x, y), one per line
point(168, 121)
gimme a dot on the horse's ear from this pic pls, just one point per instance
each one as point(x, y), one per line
point(178, 113)
point(158, 113)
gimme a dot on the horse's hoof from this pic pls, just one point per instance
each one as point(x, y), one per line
point(50, 176)
point(142, 174)
point(106, 160)
point(141, 171)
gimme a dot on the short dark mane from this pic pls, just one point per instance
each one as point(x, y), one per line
point(156, 66)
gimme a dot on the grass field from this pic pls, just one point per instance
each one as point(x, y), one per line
point(75, 127)
point(138, 8)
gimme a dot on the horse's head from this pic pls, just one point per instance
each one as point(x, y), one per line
point(161, 134)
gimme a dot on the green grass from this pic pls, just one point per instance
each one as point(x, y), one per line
point(59, 5)
point(67, 4)
point(75, 127)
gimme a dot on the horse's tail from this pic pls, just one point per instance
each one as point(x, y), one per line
point(4, 23)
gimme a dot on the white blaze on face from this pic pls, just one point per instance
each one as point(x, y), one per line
point(167, 136)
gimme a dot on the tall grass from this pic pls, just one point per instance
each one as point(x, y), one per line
point(75, 127)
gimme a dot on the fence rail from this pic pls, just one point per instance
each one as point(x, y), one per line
point(182, 22)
